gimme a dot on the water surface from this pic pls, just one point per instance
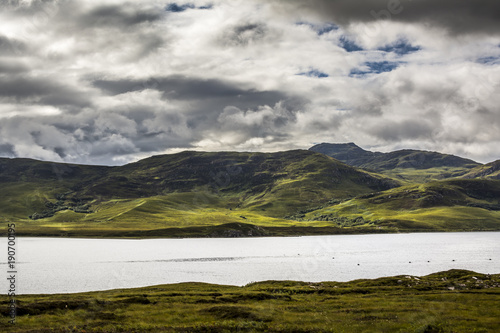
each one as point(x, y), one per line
point(62, 265)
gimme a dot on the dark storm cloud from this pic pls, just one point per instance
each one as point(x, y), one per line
point(12, 67)
point(6, 149)
point(215, 106)
point(458, 16)
point(207, 107)
point(48, 92)
point(220, 92)
point(87, 30)
point(123, 15)
point(11, 47)
point(177, 86)
point(264, 122)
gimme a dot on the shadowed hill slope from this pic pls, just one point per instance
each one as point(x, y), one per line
point(229, 194)
point(348, 153)
point(411, 165)
point(274, 184)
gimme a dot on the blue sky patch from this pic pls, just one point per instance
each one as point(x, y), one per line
point(175, 8)
point(324, 29)
point(375, 68)
point(315, 73)
point(349, 45)
point(489, 60)
point(401, 47)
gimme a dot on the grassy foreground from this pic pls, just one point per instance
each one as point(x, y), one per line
point(452, 301)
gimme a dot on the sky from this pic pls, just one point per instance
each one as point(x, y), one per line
point(110, 82)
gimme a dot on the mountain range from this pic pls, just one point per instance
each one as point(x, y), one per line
point(332, 188)
point(412, 165)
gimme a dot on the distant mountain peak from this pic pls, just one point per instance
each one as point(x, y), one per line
point(352, 154)
point(338, 145)
point(349, 153)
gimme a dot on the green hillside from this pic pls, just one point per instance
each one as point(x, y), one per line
point(406, 165)
point(235, 194)
point(489, 171)
point(30, 186)
point(188, 189)
point(439, 205)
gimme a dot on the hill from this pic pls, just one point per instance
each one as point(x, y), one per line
point(489, 171)
point(410, 165)
point(188, 189)
point(348, 153)
point(470, 204)
point(229, 194)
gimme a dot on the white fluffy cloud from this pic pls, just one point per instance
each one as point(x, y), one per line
point(109, 82)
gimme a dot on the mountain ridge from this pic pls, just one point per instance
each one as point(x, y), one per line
point(231, 194)
point(354, 155)
point(490, 170)
point(246, 179)
point(406, 164)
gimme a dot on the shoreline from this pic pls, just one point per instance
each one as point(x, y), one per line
point(229, 230)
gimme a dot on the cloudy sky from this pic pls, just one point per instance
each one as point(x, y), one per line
point(109, 82)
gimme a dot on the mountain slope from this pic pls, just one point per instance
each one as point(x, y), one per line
point(159, 187)
point(440, 205)
point(30, 186)
point(489, 171)
point(348, 153)
point(229, 194)
point(411, 165)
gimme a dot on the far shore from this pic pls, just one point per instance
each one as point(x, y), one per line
point(231, 230)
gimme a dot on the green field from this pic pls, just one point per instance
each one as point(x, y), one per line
point(453, 301)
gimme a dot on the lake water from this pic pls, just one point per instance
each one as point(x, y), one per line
point(62, 265)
